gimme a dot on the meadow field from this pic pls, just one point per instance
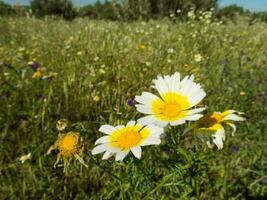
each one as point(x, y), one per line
point(89, 72)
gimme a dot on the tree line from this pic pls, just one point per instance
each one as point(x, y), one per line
point(127, 9)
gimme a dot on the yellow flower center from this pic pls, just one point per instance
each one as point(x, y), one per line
point(217, 116)
point(37, 74)
point(171, 107)
point(171, 110)
point(69, 144)
point(208, 121)
point(128, 137)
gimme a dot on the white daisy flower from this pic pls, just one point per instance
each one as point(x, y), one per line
point(213, 123)
point(175, 104)
point(120, 140)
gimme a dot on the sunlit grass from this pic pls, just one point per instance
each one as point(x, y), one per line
point(90, 70)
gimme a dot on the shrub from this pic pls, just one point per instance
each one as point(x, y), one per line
point(231, 12)
point(63, 8)
point(6, 9)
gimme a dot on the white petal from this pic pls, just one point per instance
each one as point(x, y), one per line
point(192, 90)
point(146, 109)
point(113, 149)
point(234, 117)
point(137, 151)
point(218, 142)
point(177, 122)
point(121, 155)
point(155, 131)
point(233, 127)
point(175, 86)
point(161, 123)
point(227, 112)
point(195, 98)
point(131, 123)
point(161, 85)
point(150, 119)
point(119, 127)
point(103, 139)
point(196, 110)
point(193, 117)
point(146, 98)
point(107, 155)
point(99, 149)
point(186, 80)
point(220, 133)
point(219, 136)
point(107, 129)
point(151, 141)
point(172, 82)
point(168, 81)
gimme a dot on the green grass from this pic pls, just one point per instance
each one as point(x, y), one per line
point(107, 59)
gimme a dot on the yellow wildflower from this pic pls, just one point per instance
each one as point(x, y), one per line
point(37, 74)
point(79, 53)
point(213, 123)
point(242, 93)
point(142, 46)
point(69, 145)
point(96, 98)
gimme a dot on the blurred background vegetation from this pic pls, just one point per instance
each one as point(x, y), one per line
point(129, 9)
point(86, 70)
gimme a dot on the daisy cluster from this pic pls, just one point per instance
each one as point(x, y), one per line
point(177, 102)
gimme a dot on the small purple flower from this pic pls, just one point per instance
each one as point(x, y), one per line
point(34, 66)
point(235, 149)
point(130, 102)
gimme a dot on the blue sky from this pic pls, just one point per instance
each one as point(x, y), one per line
point(76, 2)
point(254, 5)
